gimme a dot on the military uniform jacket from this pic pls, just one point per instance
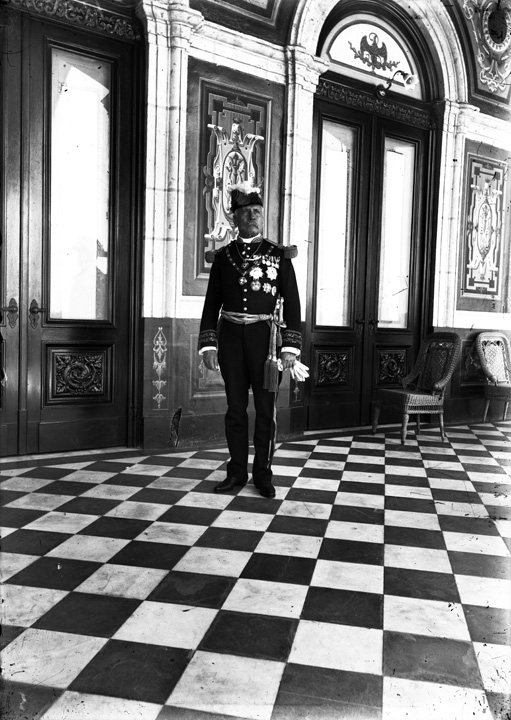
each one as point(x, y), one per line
point(250, 284)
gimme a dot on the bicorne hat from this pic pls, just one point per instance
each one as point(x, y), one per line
point(244, 194)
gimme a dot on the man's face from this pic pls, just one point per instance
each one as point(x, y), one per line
point(249, 220)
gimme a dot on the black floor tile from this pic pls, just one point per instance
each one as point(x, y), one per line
point(278, 568)
point(351, 513)
point(47, 473)
point(20, 701)
point(189, 515)
point(369, 488)
point(55, 573)
point(168, 460)
point(312, 496)
point(8, 496)
point(18, 517)
point(9, 633)
point(368, 452)
point(406, 480)
point(345, 607)
point(197, 589)
point(479, 564)
point(32, 542)
point(113, 527)
point(69, 487)
point(298, 526)
point(370, 468)
point(469, 525)
point(330, 456)
point(132, 479)
point(301, 685)
point(438, 473)
point(458, 496)
point(135, 671)
point(257, 636)
point(414, 537)
point(420, 584)
point(154, 495)
point(230, 539)
point(149, 554)
point(255, 504)
point(430, 659)
point(188, 473)
point(351, 551)
point(108, 466)
point(409, 504)
point(89, 506)
point(500, 705)
point(488, 624)
point(87, 614)
point(499, 512)
point(322, 473)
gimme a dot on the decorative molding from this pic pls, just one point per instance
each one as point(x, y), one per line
point(79, 13)
point(332, 368)
point(391, 367)
point(159, 366)
point(367, 102)
point(491, 27)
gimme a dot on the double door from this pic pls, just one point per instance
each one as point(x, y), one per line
point(369, 274)
point(67, 271)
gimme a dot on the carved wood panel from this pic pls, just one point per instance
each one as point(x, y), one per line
point(80, 374)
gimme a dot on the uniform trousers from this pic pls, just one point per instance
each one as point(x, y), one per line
point(242, 352)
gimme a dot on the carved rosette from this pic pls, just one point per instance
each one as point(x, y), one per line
point(491, 28)
point(332, 368)
point(79, 374)
point(80, 13)
point(391, 368)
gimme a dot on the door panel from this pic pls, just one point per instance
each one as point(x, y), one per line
point(75, 269)
point(368, 307)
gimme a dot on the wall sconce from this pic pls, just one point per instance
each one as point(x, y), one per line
point(410, 81)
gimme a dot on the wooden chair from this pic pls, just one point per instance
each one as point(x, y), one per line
point(494, 353)
point(432, 371)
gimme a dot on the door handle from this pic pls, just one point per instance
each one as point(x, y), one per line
point(373, 325)
point(360, 322)
point(12, 311)
point(33, 313)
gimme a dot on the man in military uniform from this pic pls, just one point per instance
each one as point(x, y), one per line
point(248, 277)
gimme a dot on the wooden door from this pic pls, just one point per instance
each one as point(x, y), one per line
point(368, 273)
point(68, 252)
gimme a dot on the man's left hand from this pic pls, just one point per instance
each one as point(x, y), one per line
point(288, 360)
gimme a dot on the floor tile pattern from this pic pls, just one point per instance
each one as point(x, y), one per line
point(376, 584)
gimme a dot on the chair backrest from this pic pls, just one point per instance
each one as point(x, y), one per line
point(493, 349)
point(436, 361)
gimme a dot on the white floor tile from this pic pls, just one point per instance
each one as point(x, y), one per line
point(415, 700)
point(230, 563)
point(62, 522)
point(13, 563)
point(415, 558)
point(172, 533)
point(348, 576)
point(23, 605)
point(288, 544)
point(357, 532)
point(422, 521)
point(88, 547)
point(242, 520)
point(471, 543)
point(266, 598)
point(123, 581)
point(83, 706)
point(294, 508)
point(495, 666)
point(425, 617)
point(485, 592)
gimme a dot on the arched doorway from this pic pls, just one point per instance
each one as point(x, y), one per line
point(374, 199)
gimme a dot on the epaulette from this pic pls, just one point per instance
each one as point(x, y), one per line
point(290, 251)
point(210, 254)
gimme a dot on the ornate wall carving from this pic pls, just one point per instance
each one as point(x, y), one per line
point(484, 256)
point(368, 102)
point(159, 368)
point(79, 13)
point(490, 23)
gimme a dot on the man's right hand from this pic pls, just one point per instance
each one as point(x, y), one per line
point(210, 358)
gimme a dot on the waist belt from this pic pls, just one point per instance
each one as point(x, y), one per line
point(244, 318)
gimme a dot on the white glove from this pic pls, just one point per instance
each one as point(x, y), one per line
point(299, 371)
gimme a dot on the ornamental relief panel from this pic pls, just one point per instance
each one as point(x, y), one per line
point(332, 368)
point(391, 367)
point(81, 374)
point(484, 257)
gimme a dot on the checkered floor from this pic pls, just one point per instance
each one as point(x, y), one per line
point(376, 584)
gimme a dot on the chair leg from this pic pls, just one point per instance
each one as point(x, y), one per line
point(418, 424)
point(506, 404)
point(404, 427)
point(441, 422)
point(376, 415)
point(486, 406)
